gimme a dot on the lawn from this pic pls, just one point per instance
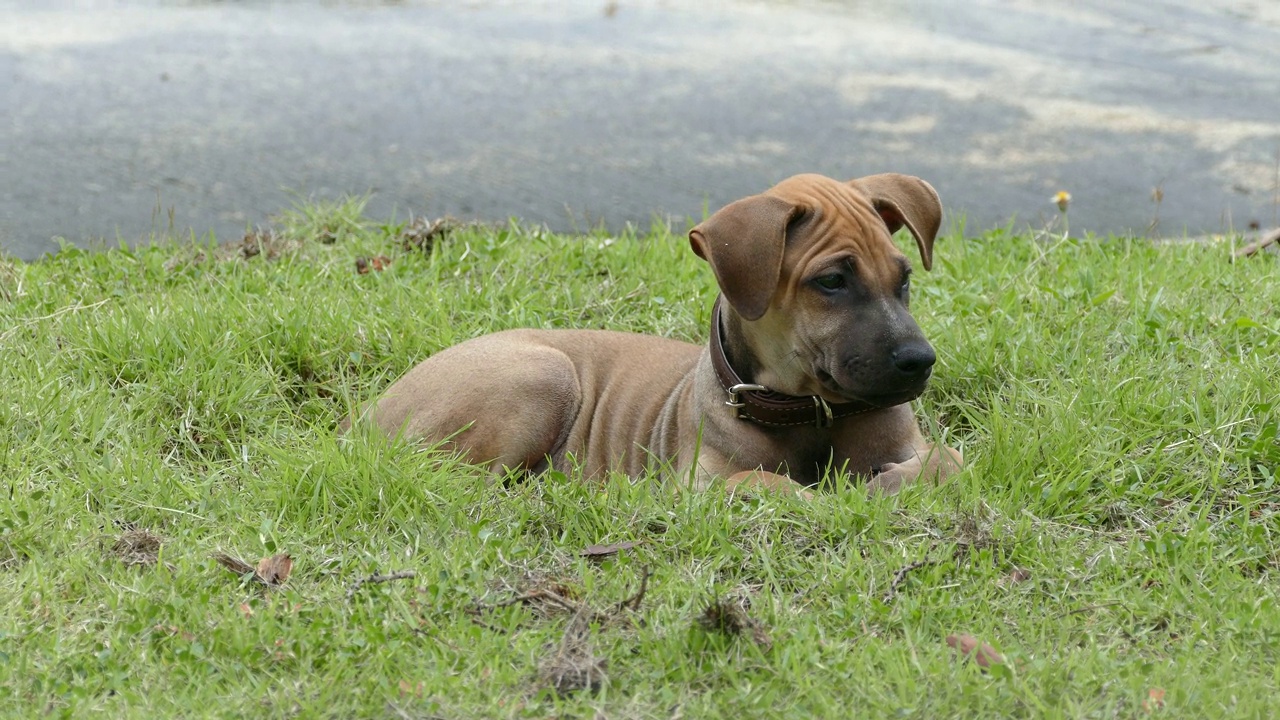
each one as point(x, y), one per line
point(1115, 536)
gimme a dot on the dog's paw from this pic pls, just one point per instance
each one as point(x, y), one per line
point(893, 476)
point(936, 465)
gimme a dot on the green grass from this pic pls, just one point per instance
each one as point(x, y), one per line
point(1116, 402)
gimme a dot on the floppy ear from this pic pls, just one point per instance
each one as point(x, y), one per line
point(905, 200)
point(743, 242)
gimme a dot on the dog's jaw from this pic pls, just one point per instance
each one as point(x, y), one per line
point(836, 392)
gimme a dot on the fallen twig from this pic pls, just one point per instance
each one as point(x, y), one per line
point(1085, 609)
point(35, 320)
point(901, 577)
point(633, 603)
point(553, 598)
point(1206, 433)
point(543, 595)
point(377, 579)
point(1254, 247)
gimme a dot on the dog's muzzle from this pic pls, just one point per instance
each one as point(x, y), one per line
point(761, 405)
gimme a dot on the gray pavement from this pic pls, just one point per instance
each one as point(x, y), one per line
point(118, 119)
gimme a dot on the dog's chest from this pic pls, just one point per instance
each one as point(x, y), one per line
point(806, 455)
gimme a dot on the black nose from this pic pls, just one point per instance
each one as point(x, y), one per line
point(914, 358)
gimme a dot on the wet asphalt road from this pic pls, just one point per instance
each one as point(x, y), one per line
point(117, 118)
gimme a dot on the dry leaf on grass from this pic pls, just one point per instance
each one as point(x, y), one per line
point(410, 689)
point(275, 570)
point(173, 631)
point(970, 646)
point(271, 571)
point(599, 552)
point(1154, 701)
point(1016, 576)
point(376, 264)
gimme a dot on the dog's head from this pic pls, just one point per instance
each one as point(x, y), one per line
point(818, 288)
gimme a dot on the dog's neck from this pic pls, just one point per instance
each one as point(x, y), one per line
point(735, 350)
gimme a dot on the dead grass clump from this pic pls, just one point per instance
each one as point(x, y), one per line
point(572, 665)
point(974, 532)
point(138, 548)
point(258, 242)
point(423, 234)
point(550, 597)
point(728, 616)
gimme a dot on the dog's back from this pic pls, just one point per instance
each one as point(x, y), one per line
point(515, 398)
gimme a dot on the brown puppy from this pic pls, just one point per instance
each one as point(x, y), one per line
point(812, 362)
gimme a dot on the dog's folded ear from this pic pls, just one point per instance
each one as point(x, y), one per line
point(905, 200)
point(744, 242)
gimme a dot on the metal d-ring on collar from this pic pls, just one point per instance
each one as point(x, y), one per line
point(757, 403)
point(735, 401)
point(822, 415)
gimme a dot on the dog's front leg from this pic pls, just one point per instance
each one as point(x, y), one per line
point(934, 463)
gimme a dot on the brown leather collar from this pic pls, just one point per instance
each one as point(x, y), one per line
point(759, 404)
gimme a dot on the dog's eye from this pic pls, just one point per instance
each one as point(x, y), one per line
point(904, 292)
point(835, 281)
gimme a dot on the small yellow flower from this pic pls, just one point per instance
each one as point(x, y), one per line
point(1063, 199)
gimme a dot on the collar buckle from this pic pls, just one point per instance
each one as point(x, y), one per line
point(735, 402)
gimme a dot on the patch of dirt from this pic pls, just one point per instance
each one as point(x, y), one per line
point(570, 665)
point(138, 548)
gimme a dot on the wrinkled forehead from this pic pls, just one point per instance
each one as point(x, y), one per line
point(841, 221)
point(840, 213)
point(836, 204)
